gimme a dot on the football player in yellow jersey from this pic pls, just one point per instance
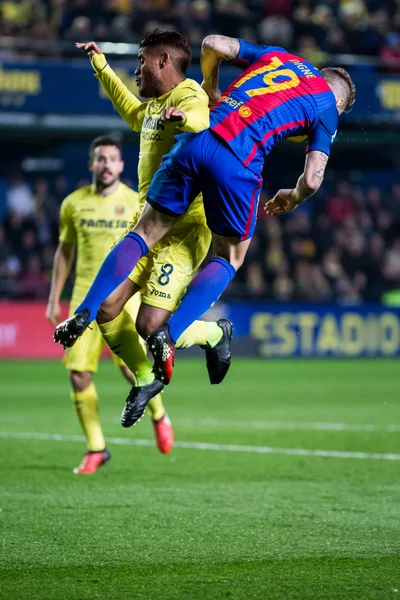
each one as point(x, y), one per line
point(175, 104)
point(91, 220)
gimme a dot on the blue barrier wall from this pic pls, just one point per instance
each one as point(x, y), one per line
point(310, 330)
point(70, 88)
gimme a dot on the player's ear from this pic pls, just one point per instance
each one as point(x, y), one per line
point(164, 59)
point(90, 165)
point(122, 166)
point(339, 102)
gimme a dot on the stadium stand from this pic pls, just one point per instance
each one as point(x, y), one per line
point(316, 29)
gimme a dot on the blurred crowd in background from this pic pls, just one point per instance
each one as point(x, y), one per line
point(342, 245)
point(313, 28)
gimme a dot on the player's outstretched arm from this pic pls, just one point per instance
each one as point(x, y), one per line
point(309, 182)
point(214, 49)
point(61, 268)
point(125, 102)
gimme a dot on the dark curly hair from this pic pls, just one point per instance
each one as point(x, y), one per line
point(181, 53)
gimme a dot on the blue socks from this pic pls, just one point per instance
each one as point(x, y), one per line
point(205, 289)
point(116, 267)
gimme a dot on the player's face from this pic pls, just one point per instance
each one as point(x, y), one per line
point(148, 72)
point(106, 165)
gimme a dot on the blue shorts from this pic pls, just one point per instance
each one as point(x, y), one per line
point(201, 162)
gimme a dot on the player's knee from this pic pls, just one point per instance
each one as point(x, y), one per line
point(107, 312)
point(147, 323)
point(80, 380)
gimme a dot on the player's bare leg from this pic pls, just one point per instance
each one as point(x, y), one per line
point(150, 318)
point(112, 306)
point(116, 267)
point(86, 406)
point(207, 286)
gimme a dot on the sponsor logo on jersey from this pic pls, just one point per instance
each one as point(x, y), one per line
point(104, 223)
point(231, 101)
point(154, 292)
point(151, 136)
point(153, 123)
point(119, 210)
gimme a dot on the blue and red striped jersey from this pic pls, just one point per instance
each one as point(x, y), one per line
point(277, 96)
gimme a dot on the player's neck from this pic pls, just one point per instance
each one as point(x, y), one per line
point(169, 85)
point(103, 191)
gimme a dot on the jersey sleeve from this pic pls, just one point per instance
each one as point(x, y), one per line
point(195, 107)
point(249, 52)
point(67, 228)
point(126, 103)
point(323, 132)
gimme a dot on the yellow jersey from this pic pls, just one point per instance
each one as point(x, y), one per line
point(157, 138)
point(94, 223)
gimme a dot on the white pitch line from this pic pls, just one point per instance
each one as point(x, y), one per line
point(55, 437)
point(284, 425)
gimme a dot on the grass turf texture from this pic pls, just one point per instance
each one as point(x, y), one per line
point(205, 524)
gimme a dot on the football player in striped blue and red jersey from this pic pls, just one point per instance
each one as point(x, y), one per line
point(277, 96)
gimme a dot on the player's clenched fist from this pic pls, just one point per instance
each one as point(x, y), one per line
point(172, 115)
point(283, 202)
point(91, 48)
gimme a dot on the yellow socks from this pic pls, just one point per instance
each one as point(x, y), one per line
point(156, 408)
point(87, 410)
point(122, 338)
point(200, 333)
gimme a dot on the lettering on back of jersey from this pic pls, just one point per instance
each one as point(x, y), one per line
point(305, 69)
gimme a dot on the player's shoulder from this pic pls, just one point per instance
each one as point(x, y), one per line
point(75, 197)
point(189, 88)
point(126, 192)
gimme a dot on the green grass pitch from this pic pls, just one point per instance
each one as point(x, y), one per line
point(236, 512)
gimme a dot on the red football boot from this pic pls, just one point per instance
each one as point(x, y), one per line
point(164, 434)
point(92, 461)
point(162, 348)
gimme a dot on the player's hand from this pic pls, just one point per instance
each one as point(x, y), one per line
point(91, 48)
point(283, 202)
point(53, 313)
point(172, 115)
point(213, 93)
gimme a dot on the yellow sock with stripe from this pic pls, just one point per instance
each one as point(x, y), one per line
point(87, 410)
point(122, 338)
point(200, 333)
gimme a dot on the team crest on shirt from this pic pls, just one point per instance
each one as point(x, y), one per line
point(244, 111)
point(119, 210)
